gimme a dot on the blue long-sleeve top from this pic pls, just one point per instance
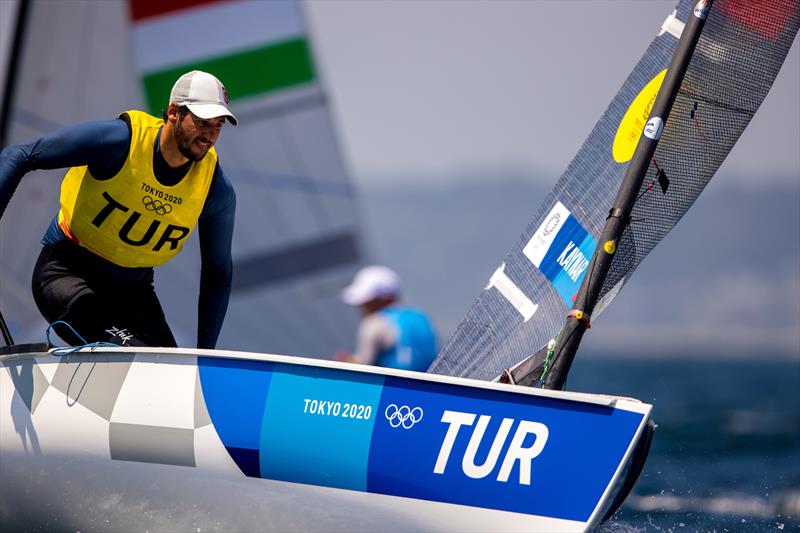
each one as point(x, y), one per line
point(103, 146)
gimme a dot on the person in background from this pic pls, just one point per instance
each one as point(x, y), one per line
point(389, 335)
point(137, 187)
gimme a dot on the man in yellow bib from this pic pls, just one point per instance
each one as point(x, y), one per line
point(136, 188)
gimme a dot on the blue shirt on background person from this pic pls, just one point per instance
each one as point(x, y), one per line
point(389, 335)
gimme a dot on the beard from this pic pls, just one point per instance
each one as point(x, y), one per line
point(185, 144)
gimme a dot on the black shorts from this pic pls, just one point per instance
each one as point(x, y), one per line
point(102, 302)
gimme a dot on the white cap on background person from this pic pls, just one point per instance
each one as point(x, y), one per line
point(370, 283)
point(203, 94)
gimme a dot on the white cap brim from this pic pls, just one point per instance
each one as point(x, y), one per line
point(361, 293)
point(355, 295)
point(370, 283)
point(207, 111)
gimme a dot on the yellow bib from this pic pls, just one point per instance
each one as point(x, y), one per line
point(131, 219)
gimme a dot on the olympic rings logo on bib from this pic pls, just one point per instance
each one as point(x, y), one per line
point(403, 416)
point(160, 208)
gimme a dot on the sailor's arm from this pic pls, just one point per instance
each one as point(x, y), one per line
point(216, 232)
point(102, 145)
point(375, 334)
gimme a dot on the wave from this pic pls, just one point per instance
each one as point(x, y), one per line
point(782, 505)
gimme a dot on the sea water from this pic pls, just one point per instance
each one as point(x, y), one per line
point(726, 451)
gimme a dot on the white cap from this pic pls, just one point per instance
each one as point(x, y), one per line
point(370, 283)
point(203, 94)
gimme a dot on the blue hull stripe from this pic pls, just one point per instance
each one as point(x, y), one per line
point(417, 439)
point(235, 393)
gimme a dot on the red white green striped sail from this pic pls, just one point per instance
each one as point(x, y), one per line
point(264, 50)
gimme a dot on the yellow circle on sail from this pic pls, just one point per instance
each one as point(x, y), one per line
point(632, 124)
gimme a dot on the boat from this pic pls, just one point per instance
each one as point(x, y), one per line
point(120, 438)
point(176, 439)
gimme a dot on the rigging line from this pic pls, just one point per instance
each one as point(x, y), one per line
point(74, 374)
point(67, 350)
point(646, 190)
point(715, 103)
point(694, 115)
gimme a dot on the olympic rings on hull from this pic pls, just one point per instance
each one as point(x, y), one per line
point(403, 416)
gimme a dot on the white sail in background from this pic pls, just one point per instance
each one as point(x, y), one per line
point(296, 241)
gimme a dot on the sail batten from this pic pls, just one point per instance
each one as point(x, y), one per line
point(295, 261)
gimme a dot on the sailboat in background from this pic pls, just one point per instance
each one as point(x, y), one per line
point(298, 237)
point(222, 439)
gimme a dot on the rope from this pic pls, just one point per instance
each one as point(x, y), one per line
point(507, 377)
point(551, 348)
point(67, 350)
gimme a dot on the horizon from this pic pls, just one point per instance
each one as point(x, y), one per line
point(669, 305)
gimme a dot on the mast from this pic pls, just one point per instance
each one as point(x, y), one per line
point(619, 217)
point(5, 106)
point(9, 76)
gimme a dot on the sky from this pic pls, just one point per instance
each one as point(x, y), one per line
point(433, 88)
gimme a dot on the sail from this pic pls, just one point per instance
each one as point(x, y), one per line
point(737, 58)
point(297, 240)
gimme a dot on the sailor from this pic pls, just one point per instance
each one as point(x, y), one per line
point(136, 188)
point(389, 335)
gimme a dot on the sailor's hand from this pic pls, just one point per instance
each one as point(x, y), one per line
point(342, 355)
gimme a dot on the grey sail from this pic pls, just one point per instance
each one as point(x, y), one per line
point(297, 239)
point(524, 304)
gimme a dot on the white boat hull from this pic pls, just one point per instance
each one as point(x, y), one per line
point(173, 439)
